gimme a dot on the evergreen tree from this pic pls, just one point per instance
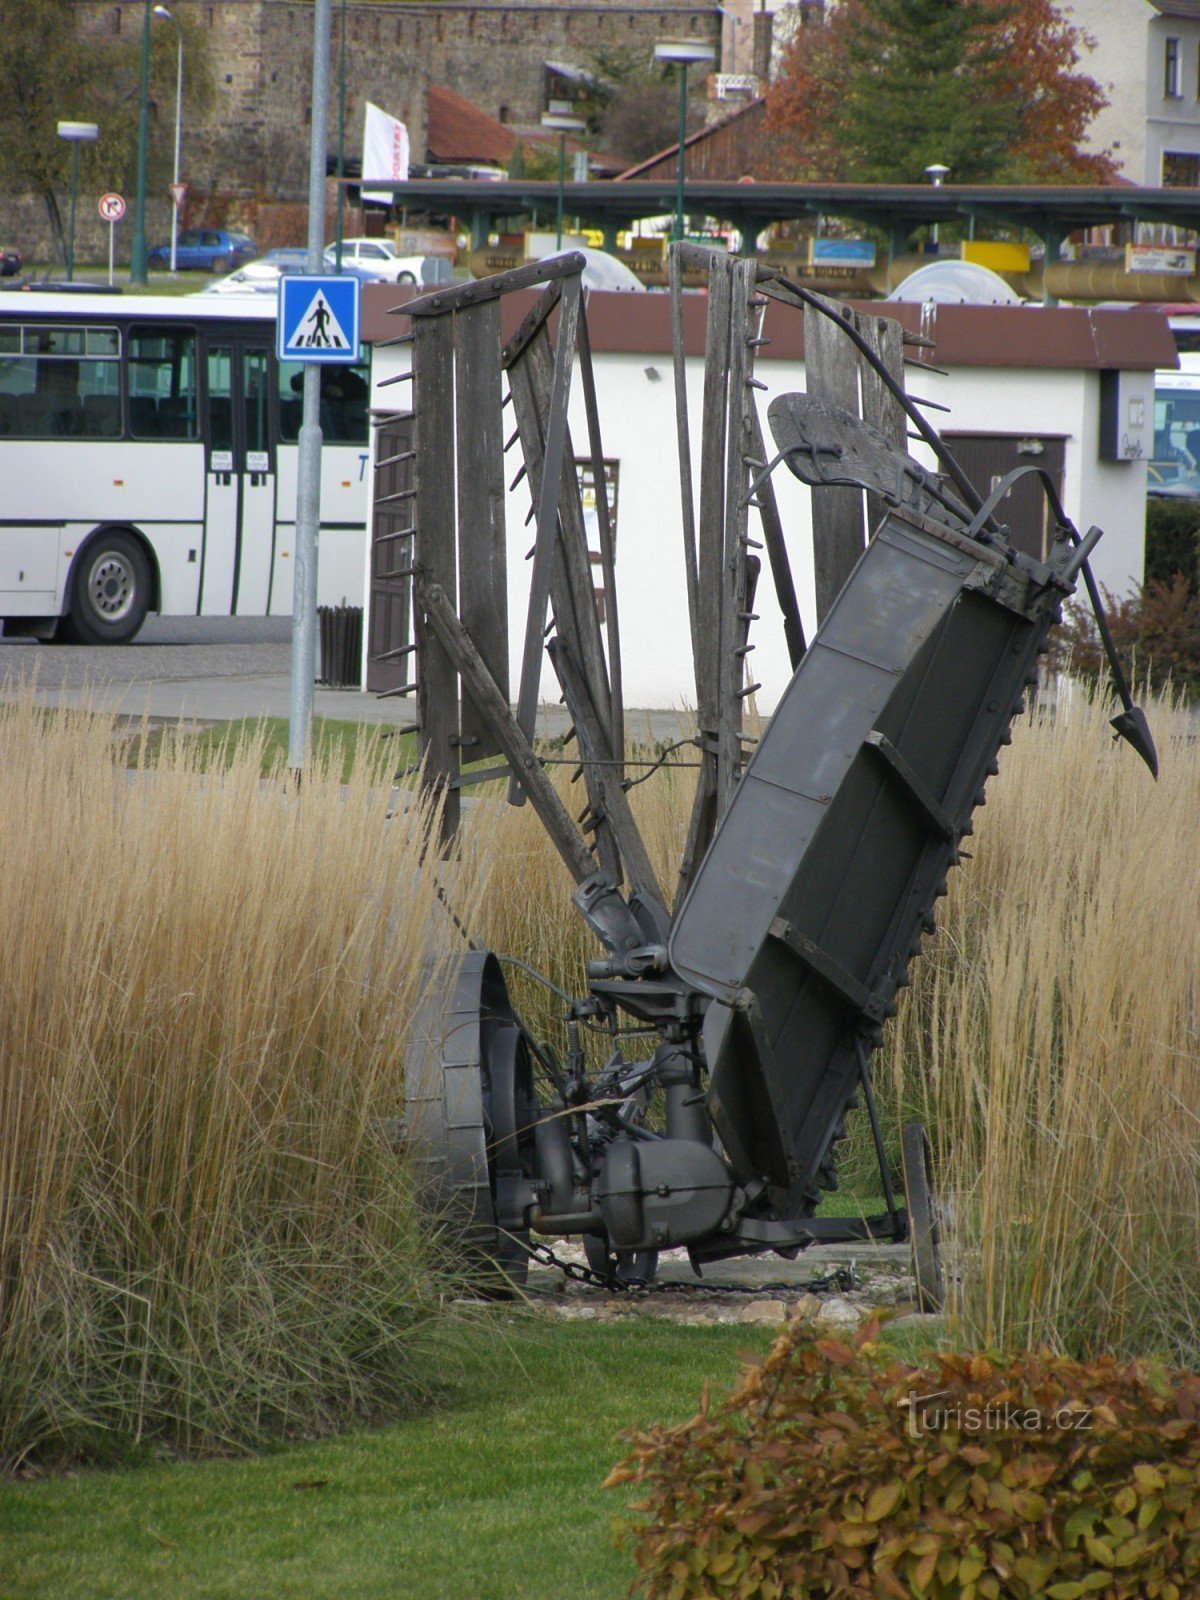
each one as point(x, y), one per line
point(885, 88)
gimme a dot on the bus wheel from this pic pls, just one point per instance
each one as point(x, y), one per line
point(110, 591)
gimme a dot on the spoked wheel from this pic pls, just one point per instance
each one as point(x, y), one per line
point(469, 1114)
point(620, 1266)
point(922, 1217)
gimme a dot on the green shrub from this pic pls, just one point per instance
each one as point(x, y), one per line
point(1156, 631)
point(825, 1475)
point(1173, 540)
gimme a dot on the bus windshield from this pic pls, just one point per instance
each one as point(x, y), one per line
point(1175, 465)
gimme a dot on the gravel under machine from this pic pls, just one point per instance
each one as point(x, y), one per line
point(815, 858)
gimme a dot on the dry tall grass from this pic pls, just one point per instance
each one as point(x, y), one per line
point(204, 1237)
point(1053, 1038)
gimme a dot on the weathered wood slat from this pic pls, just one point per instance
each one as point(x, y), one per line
point(687, 499)
point(831, 374)
point(455, 641)
point(571, 588)
point(734, 594)
point(548, 491)
point(482, 558)
point(593, 745)
point(594, 755)
point(437, 679)
point(776, 548)
point(480, 289)
point(879, 406)
point(710, 550)
point(608, 547)
point(532, 323)
point(390, 602)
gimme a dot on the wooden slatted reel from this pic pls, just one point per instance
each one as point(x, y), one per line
point(720, 565)
point(458, 566)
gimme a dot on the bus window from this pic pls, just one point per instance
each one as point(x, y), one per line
point(254, 400)
point(345, 402)
point(162, 384)
point(60, 382)
point(220, 399)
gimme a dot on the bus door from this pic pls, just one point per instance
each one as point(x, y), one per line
point(240, 476)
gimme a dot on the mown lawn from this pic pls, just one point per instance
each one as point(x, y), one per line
point(218, 746)
point(493, 1495)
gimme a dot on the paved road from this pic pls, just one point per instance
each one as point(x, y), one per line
point(211, 669)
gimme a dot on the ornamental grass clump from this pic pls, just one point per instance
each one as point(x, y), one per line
point(1051, 1042)
point(837, 1470)
point(206, 1235)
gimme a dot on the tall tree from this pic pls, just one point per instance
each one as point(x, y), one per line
point(632, 104)
point(52, 71)
point(884, 88)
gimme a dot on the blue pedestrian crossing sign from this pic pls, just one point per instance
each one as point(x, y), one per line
point(318, 319)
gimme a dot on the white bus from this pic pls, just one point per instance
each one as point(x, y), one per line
point(148, 452)
point(1174, 468)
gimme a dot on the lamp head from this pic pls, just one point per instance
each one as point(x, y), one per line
point(684, 52)
point(79, 132)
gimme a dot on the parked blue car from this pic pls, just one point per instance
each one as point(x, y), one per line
point(204, 250)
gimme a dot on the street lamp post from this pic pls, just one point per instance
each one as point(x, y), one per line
point(682, 54)
point(936, 172)
point(339, 233)
point(137, 258)
point(161, 11)
point(562, 125)
point(76, 133)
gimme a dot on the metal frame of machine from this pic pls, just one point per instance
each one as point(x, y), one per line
point(814, 858)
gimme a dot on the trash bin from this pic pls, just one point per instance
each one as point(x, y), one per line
point(340, 633)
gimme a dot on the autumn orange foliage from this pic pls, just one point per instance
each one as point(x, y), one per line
point(838, 1470)
point(881, 88)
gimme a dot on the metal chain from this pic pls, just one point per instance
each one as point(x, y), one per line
point(843, 1279)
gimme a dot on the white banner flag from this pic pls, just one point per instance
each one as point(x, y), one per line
point(385, 152)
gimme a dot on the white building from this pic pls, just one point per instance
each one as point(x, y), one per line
point(1024, 387)
point(1147, 61)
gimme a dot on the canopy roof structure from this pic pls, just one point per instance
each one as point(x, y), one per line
point(895, 209)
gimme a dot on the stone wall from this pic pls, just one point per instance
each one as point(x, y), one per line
point(254, 139)
point(251, 148)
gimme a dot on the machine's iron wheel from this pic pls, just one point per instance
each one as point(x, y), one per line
point(623, 1267)
point(922, 1217)
point(469, 1112)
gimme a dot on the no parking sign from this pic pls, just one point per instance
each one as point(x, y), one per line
point(112, 208)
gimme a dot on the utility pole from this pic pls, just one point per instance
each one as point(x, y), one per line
point(308, 471)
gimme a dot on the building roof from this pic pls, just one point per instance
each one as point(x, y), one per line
point(1177, 8)
point(1068, 338)
point(458, 131)
point(715, 138)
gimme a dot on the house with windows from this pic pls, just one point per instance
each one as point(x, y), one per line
point(1147, 61)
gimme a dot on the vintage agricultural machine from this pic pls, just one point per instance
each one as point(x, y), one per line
point(759, 988)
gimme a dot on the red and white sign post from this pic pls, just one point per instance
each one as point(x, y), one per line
point(112, 209)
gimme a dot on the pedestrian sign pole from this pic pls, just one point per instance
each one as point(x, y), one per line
point(308, 466)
